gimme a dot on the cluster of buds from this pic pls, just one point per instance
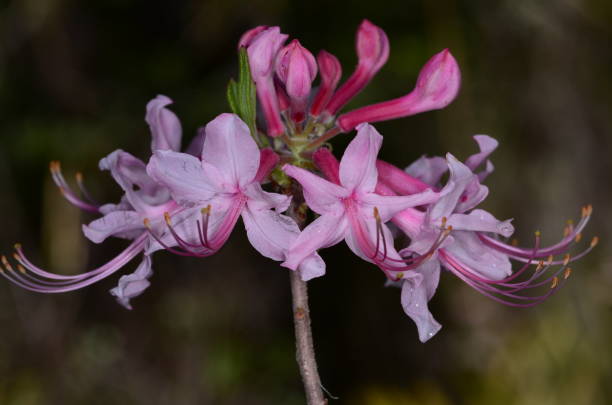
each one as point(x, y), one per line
point(293, 204)
point(292, 109)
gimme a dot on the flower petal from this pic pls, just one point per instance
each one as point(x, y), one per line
point(165, 127)
point(388, 206)
point(125, 224)
point(429, 170)
point(263, 200)
point(134, 284)
point(480, 220)
point(325, 231)
point(271, 234)
point(322, 196)
point(231, 149)
point(487, 145)
point(414, 300)
point(358, 165)
point(130, 173)
point(460, 177)
point(184, 175)
point(474, 255)
point(197, 143)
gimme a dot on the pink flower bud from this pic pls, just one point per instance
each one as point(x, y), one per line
point(438, 82)
point(296, 68)
point(247, 37)
point(373, 52)
point(263, 45)
point(330, 71)
point(372, 46)
point(262, 50)
point(437, 85)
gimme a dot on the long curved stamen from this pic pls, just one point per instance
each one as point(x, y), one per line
point(504, 291)
point(151, 232)
point(390, 265)
point(42, 281)
point(67, 192)
point(572, 235)
point(79, 180)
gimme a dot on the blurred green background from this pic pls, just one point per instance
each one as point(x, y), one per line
point(74, 79)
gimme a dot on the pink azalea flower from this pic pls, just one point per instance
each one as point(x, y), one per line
point(143, 199)
point(225, 185)
point(349, 208)
point(468, 244)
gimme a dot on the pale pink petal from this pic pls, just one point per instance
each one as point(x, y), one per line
point(311, 267)
point(486, 262)
point(429, 170)
point(414, 300)
point(482, 221)
point(130, 173)
point(362, 240)
point(325, 231)
point(165, 127)
point(388, 206)
point(116, 223)
point(271, 234)
point(184, 175)
point(231, 149)
point(487, 145)
point(132, 285)
point(263, 200)
point(474, 194)
point(460, 177)
point(197, 143)
point(409, 221)
point(321, 195)
point(358, 165)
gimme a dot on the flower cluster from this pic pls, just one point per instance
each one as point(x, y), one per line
point(296, 198)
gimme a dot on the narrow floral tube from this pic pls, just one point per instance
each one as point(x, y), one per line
point(437, 86)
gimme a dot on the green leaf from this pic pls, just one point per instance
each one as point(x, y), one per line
point(241, 95)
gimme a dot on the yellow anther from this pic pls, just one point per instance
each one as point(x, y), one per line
point(79, 177)
point(514, 242)
point(570, 222)
point(376, 214)
point(399, 276)
point(6, 263)
point(54, 166)
point(167, 218)
point(21, 269)
point(539, 266)
point(444, 222)
point(567, 273)
point(17, 246)
point(16, 257)
point(578, 237)
point(206, 210)
point(566, 259)
point(449, 228)
point(147, 223)
point(550, 260)
point(555, 282)
point(594, 241)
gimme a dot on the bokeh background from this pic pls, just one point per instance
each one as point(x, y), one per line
point(74, 80)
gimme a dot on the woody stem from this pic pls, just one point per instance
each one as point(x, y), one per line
point(305, 354)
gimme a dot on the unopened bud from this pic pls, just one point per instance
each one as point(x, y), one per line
point(437, 85)
point(296, 67)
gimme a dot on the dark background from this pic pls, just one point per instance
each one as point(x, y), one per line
point(74, 80)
